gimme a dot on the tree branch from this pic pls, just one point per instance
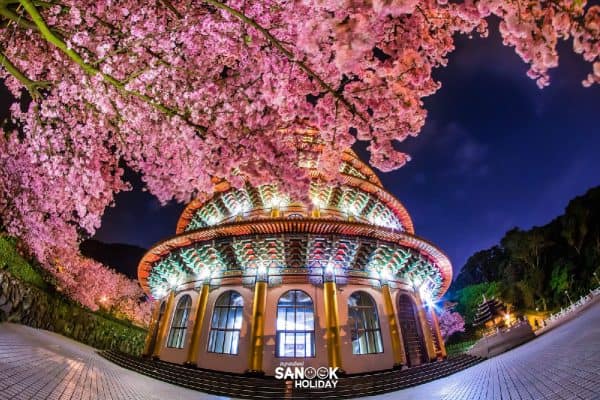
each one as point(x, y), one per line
point(51, 37)
point(171, 7)
point(33, 87)
point(288, 54)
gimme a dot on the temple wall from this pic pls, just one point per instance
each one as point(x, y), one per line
point(227, 362)
point(355, 363)
point(239, 363)
point(175, 355)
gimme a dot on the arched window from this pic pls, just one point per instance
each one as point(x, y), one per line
point(179, 323)
point(226, 323)
point(295, 325)
point(364, 324)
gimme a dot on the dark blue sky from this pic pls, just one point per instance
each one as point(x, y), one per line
point(496, 152)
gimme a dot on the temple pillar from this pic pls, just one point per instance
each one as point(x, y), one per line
point(257, 328)
point(427, 336)
point(164, 325)
point(332, 328)
point(152, 327)
point(397, 348)
point(198, 322)
point(438, 333)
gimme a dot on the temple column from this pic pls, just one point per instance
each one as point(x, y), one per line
point(198, 322)
point(152, 327)
point(164, 326)
point(438, 333)
point(332, 328)
point(257, 327)
point(399, 356)
point(427, 337)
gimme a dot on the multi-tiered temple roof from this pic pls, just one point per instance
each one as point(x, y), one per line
point(352, 229)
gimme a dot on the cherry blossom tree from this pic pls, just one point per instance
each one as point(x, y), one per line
point(185, 92)
point(451, 322)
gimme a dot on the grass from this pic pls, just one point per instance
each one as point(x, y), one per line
point(459, 348)
point(11, 260)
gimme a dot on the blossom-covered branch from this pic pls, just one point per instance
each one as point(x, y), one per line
point(185, 92)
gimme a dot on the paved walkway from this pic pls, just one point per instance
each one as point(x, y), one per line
point(562, 364)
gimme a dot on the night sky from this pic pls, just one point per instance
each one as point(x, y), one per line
point(496, 152)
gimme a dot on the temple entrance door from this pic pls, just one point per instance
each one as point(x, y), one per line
point(411, 331)
point(157, 326)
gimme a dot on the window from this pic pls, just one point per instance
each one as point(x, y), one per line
point(364, 324)
point(226, 323)
point(295, 325)
point(179, 323)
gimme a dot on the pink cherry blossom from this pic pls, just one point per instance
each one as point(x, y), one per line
point(451, 322)
point(192, 91)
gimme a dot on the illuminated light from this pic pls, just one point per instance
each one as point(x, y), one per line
point(261, 270)
point(329, 269)
point(426, 296)
point(417, 282)
point(262, 273)
point(317, 202)
point(277, 202)
point(385, 274)
point(351, 209)
point(204, 274)
point(377, 220)
point(211, 220)
point(174, 281)
point(245, 207)
point(159, 293)
point(103, 299)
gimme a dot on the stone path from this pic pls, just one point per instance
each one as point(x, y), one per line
point(562, 364)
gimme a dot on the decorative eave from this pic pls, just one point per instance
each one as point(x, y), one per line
point(294, 226)
point(388, 199)
point(351, 158)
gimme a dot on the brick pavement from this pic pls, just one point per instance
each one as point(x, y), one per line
point(562, 364)
point(36, 364)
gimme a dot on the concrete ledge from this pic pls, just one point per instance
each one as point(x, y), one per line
point(558, 322)
point(502, 341)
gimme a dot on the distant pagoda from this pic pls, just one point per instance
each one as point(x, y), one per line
point(490, 313)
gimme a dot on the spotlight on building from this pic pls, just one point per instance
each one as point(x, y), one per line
point(174, 281)
point(385, 274)
point(262, 273)
point(426, 296)
point(204, 274)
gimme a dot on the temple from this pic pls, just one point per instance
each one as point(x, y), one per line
point(253, 279)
